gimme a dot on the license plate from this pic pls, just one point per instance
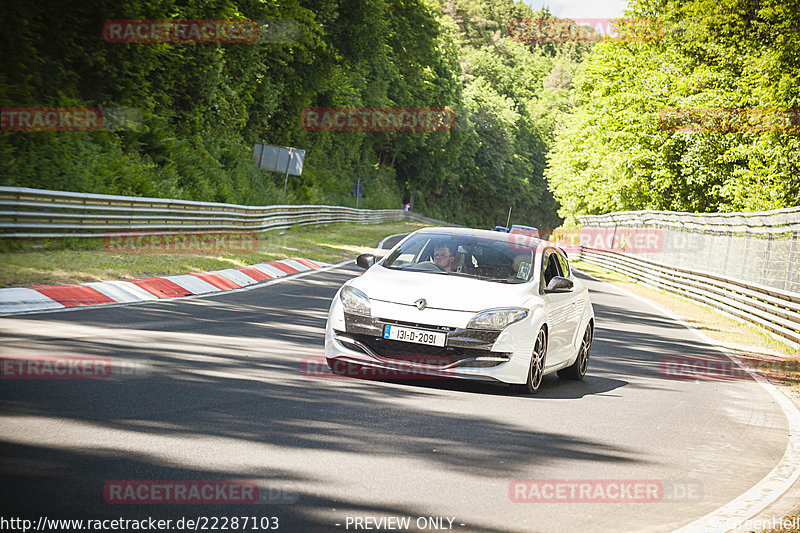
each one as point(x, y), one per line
point(417, 336)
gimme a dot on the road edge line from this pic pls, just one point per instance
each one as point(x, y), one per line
point(777, 482)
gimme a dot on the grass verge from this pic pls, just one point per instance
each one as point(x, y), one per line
point(53, 264)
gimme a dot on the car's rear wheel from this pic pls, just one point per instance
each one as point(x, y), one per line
point(536, 370)
point(577, 370)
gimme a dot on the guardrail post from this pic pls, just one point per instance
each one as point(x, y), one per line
point(709, 238)
point(727, 252)
point(745, 254)
point(766, 261)
point(787, 282)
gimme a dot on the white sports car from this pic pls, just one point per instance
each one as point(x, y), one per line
point(464, 303)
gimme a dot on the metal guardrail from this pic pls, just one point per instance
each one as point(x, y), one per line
point(742, 264)
point(759, 247)
point(31, 213)
point(785, 220)
point(775, 310)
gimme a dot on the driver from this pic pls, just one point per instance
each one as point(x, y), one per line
point(444, 254)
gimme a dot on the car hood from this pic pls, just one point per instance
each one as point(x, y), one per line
point(439, 290)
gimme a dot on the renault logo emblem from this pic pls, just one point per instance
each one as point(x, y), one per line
point(421, 304)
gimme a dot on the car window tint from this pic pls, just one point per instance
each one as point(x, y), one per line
point(411, 253)
point(493, 259)
point(563, 263)
point(551, 268)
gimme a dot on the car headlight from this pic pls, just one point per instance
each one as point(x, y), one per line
point(355, 301)
point(497, 319)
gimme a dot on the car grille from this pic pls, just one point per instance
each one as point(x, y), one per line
point(464, 346)
point(444, 329)
point(434, 356)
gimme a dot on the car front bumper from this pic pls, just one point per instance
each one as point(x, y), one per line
point(468, 354)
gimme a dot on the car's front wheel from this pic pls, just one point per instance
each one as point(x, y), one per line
point(536, 370)
point(577, 369)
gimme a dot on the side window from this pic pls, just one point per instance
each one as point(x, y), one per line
point(563, 263)
point(550, 266)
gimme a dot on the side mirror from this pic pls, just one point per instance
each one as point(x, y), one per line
point(366, 260)
point(559, 284)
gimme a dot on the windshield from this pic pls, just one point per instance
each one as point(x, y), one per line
point(467, 256)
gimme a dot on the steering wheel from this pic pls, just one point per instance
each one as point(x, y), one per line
point(428, 265)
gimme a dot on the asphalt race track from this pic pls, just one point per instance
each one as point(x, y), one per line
point(214, 389)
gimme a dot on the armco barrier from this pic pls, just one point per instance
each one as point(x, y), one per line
point(775, 310)
point(743, 264)
point(761, 247)
point(31, 213)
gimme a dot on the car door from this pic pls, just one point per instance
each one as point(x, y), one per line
point(577, 305)
point(559, 309)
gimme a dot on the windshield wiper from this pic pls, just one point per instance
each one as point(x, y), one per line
point(473, 276)
point(489, 278)
point(462, 274)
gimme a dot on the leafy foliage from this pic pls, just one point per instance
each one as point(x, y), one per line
point(612, 151)
point(204, 105)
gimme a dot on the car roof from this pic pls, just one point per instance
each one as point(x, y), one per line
point(481, 233)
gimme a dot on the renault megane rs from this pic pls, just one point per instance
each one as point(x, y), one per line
point(464, 303)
